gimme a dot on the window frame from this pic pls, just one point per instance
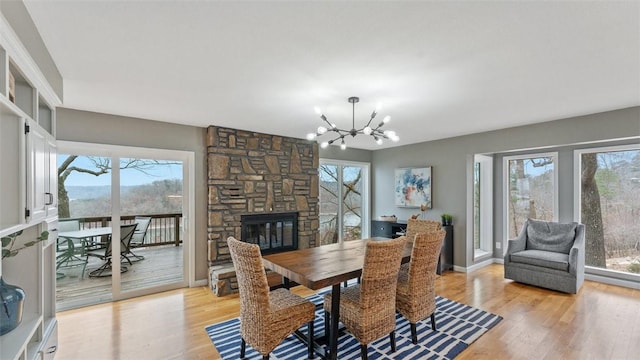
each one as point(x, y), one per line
point(486, 206)
point(505, 190)
point(577, 204)
point(366, 191)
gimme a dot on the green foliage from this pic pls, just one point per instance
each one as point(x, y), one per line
point(607, 181)
point(9, 241)
point(634, 267)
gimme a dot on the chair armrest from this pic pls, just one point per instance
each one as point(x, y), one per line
point(577, 252)
point(517, 244)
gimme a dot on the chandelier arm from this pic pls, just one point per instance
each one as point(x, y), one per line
point(327, 121)
point(376, 133)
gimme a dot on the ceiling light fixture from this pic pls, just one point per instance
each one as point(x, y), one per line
point(376, 133)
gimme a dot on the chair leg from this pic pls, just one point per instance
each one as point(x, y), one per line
point(310, 339)
point(392, 340)
point(243, 346)
point(433, 321)
point(414, 333)
point(135, 256)
point(364, 352)
point(265, 357)
point(327, 321)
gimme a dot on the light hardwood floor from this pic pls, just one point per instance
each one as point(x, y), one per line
point(600, 322)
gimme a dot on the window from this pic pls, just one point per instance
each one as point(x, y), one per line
point(344, 208)
point(530, 190)
point(482, 205)
point(608, 196)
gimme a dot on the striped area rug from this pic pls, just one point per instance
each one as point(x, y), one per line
point(458, 326)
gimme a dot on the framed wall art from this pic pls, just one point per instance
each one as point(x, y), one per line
point(413, 187)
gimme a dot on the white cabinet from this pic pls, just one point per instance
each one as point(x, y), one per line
point(28, 196)
point(41, 173)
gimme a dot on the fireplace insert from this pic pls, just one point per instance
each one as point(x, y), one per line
point(274, 232)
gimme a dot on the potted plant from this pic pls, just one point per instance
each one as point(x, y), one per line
point(12, 296)
point(446, 219)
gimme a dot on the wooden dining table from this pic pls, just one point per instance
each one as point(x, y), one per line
point(323, 266)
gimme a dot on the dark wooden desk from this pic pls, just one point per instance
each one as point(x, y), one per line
point(322, 266)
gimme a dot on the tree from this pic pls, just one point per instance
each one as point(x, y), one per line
point(351, 202)
point(101, 166)
point(591, 213)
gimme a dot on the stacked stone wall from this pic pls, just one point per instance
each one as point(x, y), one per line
point(253, 173)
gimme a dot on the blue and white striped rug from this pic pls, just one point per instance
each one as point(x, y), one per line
point(458, 325)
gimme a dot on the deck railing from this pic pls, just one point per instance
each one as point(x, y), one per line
point(164, 229)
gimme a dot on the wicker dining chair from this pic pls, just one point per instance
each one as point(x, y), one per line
point(368, 309)
point(415, 226)
point(415, 294)
point(266, 317)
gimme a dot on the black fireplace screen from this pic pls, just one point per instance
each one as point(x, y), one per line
point(274, 232)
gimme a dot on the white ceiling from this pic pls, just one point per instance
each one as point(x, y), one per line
point(439, 69)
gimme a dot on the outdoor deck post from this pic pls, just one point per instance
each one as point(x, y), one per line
point(176, 220)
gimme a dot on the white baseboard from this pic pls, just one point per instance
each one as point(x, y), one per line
point(198, 283)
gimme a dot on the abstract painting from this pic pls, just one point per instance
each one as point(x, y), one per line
point(413, 187)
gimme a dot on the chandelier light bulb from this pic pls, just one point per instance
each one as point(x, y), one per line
point(379, 141)
point(395, 138)
point(378, 107)
point(321, 130)
point(386, 119)
point(343, 146)
point(311, 136)
point(367, 130)
point(317, 110)
point(324, 144)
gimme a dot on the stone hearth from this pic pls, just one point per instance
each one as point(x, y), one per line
point(254, 173)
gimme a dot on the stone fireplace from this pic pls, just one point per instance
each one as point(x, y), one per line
point(257, 176)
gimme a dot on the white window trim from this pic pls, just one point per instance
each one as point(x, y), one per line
point(505, 190)
point(366, 191)
point(486, 206)
point(597, 273)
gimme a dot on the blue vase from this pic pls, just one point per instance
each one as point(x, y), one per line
point(11, 308)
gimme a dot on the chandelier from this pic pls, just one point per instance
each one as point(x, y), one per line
point(375, 132)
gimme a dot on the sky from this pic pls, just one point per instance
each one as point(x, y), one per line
point(128, 177)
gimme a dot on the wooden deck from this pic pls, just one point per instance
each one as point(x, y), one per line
point(162, 265)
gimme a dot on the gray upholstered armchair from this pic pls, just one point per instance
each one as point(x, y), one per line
point(547, 254)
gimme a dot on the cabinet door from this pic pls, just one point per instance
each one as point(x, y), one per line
point(37, 165)
point(51, 177)
point(12, 163)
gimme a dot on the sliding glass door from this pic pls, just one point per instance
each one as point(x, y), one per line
point(118, 189)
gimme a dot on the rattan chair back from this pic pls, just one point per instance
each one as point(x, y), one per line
point(415, 226)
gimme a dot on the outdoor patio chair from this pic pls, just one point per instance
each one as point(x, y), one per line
point(70, 252)
point(266, 317)
point(126, 232)
point(368, 309)
point(137, 240)
point(416, 292)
